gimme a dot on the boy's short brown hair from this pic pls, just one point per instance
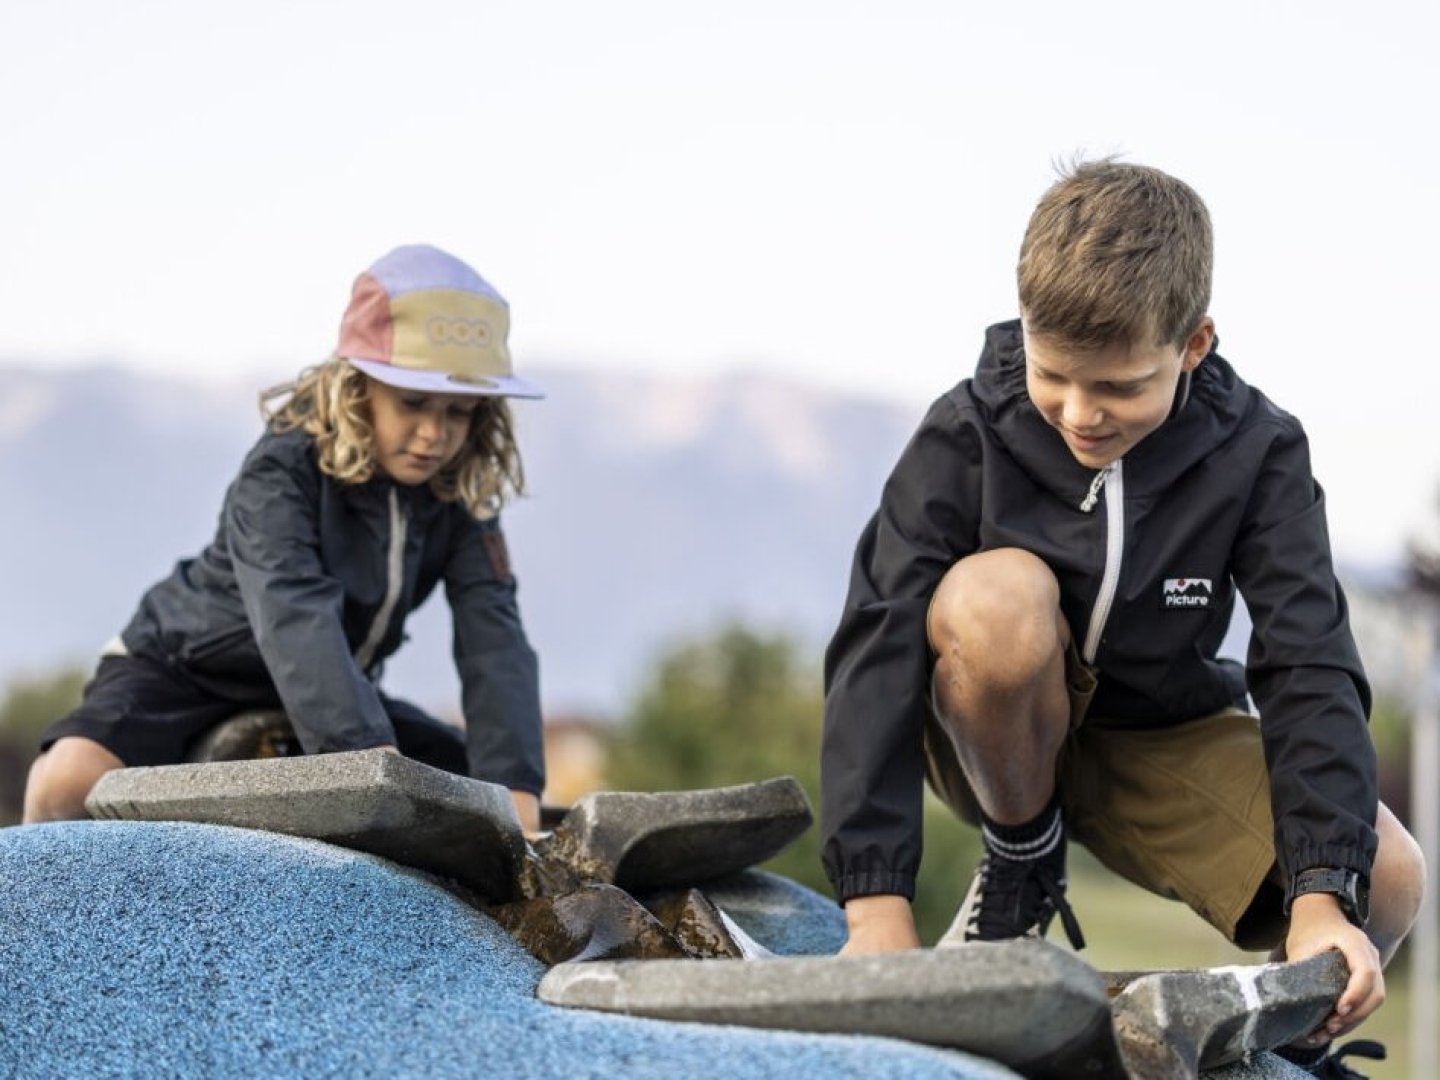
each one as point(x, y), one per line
point(1116, 254)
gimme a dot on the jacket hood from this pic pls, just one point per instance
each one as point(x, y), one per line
point(1213, 411)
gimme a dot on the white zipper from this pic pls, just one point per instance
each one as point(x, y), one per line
point(394, 578)
point(1113, 478)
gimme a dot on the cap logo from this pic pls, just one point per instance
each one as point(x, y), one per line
point(467, 333)
point(472, 380)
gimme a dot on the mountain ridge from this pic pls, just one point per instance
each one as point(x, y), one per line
point(659, 507)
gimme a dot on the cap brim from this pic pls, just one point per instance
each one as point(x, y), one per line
point(440, 382)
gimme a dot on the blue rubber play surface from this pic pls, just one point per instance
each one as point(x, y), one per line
point(144, 949)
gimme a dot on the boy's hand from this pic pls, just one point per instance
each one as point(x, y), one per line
point(879, 924)
point(1318, 924)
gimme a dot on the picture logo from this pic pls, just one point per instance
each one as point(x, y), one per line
point(1192, 592)
point(470, 333)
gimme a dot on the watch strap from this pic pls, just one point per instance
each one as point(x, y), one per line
point(1345, 885)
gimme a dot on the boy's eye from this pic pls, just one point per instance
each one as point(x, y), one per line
point(1124, 389)
point(460, 412)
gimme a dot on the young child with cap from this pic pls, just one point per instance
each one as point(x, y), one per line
point(380, 475)
point(1035, 611)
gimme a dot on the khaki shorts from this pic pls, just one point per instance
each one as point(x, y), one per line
point(1183, 811)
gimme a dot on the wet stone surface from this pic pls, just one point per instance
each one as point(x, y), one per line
point(260, 733)
point(651, 848)
point(696, 924)
point(595, 922)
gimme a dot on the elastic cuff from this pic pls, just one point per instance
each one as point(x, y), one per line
point(1338, 857)
point(875, 882)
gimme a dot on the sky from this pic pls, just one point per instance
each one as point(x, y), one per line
point(829, 192)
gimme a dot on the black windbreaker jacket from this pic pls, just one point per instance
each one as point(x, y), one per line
point(304, 592)
point(1220, 496)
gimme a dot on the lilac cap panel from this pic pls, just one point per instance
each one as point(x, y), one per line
point(416, 267)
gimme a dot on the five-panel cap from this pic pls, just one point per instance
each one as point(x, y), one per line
point(420, 319)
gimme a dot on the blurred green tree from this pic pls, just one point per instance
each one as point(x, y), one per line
point(28, 706)
point(740, 705)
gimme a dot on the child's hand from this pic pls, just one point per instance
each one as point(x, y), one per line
point(1318, 924)
point(527, 808)
point(879, 924)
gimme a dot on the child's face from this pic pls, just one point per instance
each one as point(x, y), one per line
point(417, 434)
point(1104, 401)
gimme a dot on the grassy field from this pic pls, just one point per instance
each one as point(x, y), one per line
point(1127, 928)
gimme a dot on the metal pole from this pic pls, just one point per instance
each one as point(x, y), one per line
point(1425, 820)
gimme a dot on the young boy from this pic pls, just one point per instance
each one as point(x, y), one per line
point(1034, 614)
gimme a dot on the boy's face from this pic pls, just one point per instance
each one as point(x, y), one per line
point(416, 434)
point(1104, 401)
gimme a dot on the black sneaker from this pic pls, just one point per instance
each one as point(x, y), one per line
point(1010, 899)
point(1331, 1064)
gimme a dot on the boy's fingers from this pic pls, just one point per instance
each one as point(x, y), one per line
point(1364, 993)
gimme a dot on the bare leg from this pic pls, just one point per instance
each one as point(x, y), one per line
point(996, 627)
point(1397, 884)
point(62, 777)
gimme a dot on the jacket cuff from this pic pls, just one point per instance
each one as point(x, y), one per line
point(873, 883)
point(1336, 856)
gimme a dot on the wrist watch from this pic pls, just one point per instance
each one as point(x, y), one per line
point(1347, 886)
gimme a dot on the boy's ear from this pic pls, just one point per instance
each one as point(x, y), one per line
point(1198, 344)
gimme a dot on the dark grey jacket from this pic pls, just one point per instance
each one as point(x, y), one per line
point(1220, 496)
point(304, 592)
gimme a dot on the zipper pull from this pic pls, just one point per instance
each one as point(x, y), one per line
point(1093, 496)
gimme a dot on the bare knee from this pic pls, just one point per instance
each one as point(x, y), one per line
point(62, 777)
point(996, 614)
point(1397, 882)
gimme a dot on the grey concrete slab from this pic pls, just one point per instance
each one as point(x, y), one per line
point(1174, 1024)
point(1029, 1005)
point(644, 841)
point(369, 800)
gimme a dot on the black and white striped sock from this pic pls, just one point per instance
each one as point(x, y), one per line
point(1029, 841)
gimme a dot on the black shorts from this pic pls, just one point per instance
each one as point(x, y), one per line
point(147, 713)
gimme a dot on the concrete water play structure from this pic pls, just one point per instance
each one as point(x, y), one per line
point(152, 945)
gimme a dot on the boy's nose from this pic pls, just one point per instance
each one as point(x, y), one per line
point(1079, 412)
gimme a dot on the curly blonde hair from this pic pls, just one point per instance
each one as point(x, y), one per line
point(330, 402)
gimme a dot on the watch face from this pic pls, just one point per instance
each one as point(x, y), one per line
point(1362, 902)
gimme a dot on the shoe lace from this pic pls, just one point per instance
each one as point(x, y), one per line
point(1018, 896)
point(1333, 1067)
